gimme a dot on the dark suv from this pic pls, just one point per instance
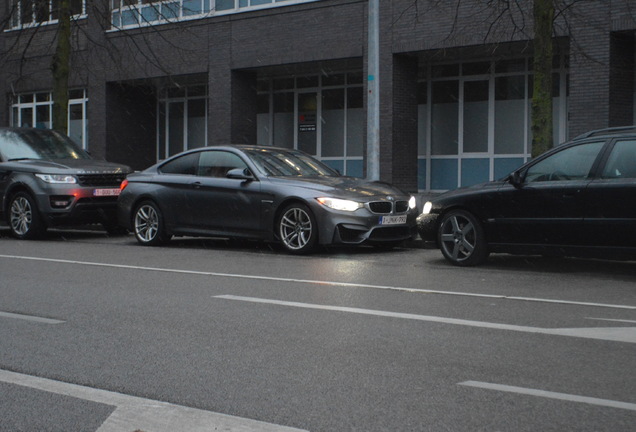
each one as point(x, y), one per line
point(47, 180)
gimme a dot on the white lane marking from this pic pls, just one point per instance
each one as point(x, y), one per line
point(135, 413)
point(620, 334)
point(319, 282)
point(613, 320)
point(551, 395)
point(30, 318)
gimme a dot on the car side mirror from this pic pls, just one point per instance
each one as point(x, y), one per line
point(516, 179)
point(240, 174)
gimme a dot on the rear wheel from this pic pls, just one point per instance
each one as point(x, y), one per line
point(461, 239)
point(25, 220)
point(148, 225)
point(297, 229)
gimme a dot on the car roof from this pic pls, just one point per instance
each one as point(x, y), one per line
point(242, 147)
point(620, 130)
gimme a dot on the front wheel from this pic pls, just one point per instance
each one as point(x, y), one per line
point(297, 229)
point(148, 225)
point(461, 239)
point(25, 220)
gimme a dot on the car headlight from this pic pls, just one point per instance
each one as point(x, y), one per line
point(412, 203)
point(427, 207)
point(340, 204)
point(57, 178)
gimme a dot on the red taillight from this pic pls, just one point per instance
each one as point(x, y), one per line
point(123, 185)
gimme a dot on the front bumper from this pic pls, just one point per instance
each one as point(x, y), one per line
point(427, 226)
point(339, 227)
point(76, 205)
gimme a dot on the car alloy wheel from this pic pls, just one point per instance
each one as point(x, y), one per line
point(297, 229)
point(148, 224)
point(24, 219)
point(461, 239)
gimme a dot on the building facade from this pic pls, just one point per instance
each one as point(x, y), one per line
point(151, 78)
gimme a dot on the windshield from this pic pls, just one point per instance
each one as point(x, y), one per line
point(288, 163)
point(38, 144)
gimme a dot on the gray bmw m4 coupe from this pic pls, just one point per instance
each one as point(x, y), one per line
point(264, 193)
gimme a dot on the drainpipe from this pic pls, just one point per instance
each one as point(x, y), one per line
point(373, 97)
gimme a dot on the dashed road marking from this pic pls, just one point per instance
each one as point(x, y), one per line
point(551, 395)
point(30, 318)
point(616, 334)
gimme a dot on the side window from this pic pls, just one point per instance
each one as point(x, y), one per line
point(622, 161)
point(573, 163)
point(183, 165)
point(217, 163)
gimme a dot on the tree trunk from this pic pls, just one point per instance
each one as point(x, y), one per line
point(542, 90)
point(60, 66)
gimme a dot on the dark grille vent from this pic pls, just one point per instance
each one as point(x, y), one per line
point(381, 207)
point(401, 206)
point(101, 180)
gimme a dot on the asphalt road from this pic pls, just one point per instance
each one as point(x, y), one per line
point(100, 334)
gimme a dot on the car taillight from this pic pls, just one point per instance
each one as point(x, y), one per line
point(123, 185)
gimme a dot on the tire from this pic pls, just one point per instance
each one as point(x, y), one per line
point(148, 225)
point(25, 220)
point(297, 229)
point(461, 239)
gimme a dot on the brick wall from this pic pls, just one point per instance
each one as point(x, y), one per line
point(232, 50)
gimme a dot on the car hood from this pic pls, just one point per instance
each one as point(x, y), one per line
point(68, 166)
point(341, 186)
point(470, 190)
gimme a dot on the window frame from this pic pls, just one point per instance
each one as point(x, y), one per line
point(565, 154)
point(443, 171)
point(44, 101)
point(135, 11)
point(16, 14)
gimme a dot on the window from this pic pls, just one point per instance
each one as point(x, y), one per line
point(126, 13)
point(622, 161)
point(573, 163)
point(182, 120)
point(218, 163)
point(185, 165)
point(474, 119)
point(31, 12)
point(36, 110)
point(39, 144)
point(320, 114)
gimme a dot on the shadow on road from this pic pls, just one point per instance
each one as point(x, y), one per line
point(612, 269)
point(249, 246)
point(623, 270)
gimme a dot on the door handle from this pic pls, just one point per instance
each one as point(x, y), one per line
point(196, 184)
point(571, 194)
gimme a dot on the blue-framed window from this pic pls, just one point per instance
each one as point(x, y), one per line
point(36, 110)
point(128, 13)
point(322, 114)
point(474, 120)
point(26, 13)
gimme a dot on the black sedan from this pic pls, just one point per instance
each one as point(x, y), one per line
point(574, 200)
point(265, 193)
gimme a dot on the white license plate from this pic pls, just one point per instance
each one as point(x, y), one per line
point(106, 192)
point(393, 220)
